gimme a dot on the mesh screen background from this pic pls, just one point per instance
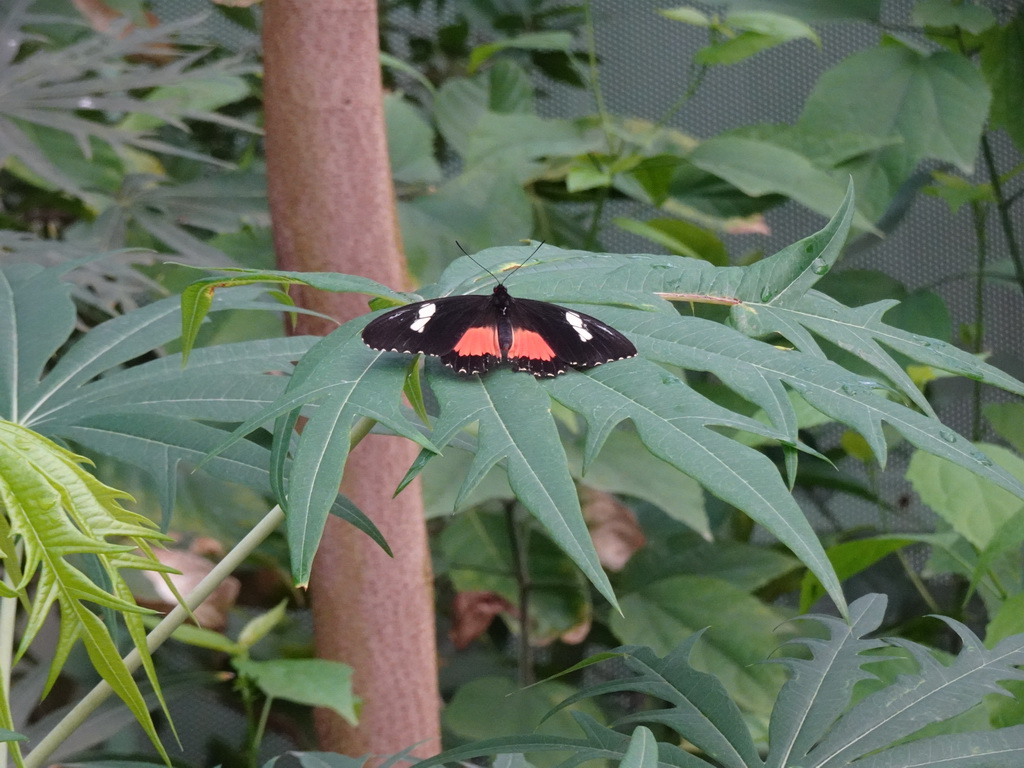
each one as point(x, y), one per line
point(644, 61)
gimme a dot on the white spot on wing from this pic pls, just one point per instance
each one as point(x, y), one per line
point(577, 323)
point(423, 317)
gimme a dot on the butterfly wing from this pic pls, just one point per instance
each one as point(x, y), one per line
point(548, 339)
point(461, 330)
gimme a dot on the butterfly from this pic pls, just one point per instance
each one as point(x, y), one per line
point(472, 334)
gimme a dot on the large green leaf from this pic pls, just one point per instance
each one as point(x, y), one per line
point(813, 724)
point(937, 104)
point(509, 414)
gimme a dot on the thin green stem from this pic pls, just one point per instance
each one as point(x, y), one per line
point(886, 515)
point(590, 241)
point(518, 541)
point(232, 560)
point(697, 73)
point(595, 80)
point(1003, 209)
point(981, 237)
point(261, 728)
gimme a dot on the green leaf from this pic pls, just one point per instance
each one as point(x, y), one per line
point(314, 682)
point(199, 637)
point(936, 693)
point(779, 25)
point(974, 506)
point(7, 736)
point(347, 381)
point(260, 626)
point(663, 611)
point(1002, 63)
point(936, 103)
point(515, 425)
point(462, 102)
point(642, 751)
point(736, 49)
point(679, 237)
point(64, 88)
point(698, 708)
point(530, 41)
point(1007, 419)
point(759, 168)
point(821, 687)
point(58, 510)
point(670, 553)
point(410, 143)
point(850, 558)
point(496, 706)
point(196, 300)
point(686, 15)
point(958, 191)
point(970, 17)
point(37, 314)
point(673, 422)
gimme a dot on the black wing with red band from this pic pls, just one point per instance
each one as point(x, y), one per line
point(474, 333)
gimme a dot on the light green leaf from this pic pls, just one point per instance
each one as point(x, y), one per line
point(1007, 419)
point(736, 49)
point(59, 510)
point(686, 15)
point(850, 558)
point(260, 626)
point(315, 682)
point(970, 17)
point(975, 507)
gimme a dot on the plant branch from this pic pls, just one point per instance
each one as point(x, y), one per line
point(981, 237)
point(8, 618)
point(595, 82)
point(78, 715)
point(521, 573)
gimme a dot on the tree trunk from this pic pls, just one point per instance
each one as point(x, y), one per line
point(333, 209)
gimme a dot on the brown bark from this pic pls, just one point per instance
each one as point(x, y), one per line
point(333, 208)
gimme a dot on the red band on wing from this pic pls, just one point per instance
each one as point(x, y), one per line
point(479, 341)
point(529, 344)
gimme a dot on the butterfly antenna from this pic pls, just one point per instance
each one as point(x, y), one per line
point(485, 269)
point(524, 261)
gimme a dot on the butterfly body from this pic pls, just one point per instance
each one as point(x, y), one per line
point(472, 334)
